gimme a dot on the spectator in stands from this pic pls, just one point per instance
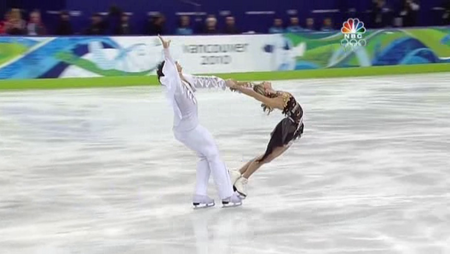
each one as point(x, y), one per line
point(294, 27)
point(35, 25)
point(380, 14)
point(409, 13)
point(211, 25)
point(156, 24)
point(123, 27)
point(185, 26)
point(348, 8)
point(230, 26)
point(64, 26)
point(113, 20)
point(3, 24)
point(96, 27)
point(310, 25)
point(15, 24)
point(446, 15)
point(327, 25)
point(277, 27)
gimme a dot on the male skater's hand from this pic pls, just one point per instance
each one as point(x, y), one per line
point(166, 44)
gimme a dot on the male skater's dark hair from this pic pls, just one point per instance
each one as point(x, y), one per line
point(159, 71)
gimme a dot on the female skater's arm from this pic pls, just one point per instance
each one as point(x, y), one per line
point(244, 84)
point(270, 102)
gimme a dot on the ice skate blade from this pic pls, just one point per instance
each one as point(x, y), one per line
point(242, 196)
point(231, 205)
point(198, 206)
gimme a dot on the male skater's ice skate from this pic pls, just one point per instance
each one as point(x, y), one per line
point(180, 90)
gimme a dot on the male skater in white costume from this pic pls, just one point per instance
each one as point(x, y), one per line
point(180, 90)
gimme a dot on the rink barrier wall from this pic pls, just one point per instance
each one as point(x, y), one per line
point(94, 61)
point(6, 85)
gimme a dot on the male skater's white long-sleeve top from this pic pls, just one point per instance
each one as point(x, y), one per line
point(180, 93)
point(187, 130)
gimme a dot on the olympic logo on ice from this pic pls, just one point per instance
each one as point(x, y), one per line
point(353, 30)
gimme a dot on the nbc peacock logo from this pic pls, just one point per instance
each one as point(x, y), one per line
point(353, 31)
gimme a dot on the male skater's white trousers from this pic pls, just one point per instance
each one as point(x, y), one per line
point(201, 141)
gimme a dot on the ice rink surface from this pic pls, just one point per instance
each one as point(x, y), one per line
point(98, 171)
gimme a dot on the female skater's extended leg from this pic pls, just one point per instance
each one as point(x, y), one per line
point(235, 175)
point(254, 165)
point(244, 168)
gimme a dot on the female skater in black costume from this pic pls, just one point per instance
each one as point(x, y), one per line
point(287, 130)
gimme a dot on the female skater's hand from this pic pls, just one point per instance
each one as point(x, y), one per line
point(166, 44)
point(231, 84)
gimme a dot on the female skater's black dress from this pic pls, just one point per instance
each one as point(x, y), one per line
point(290, 128)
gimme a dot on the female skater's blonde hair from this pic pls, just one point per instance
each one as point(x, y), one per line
point(259, 88)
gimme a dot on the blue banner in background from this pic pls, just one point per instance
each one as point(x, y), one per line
point(56, 57)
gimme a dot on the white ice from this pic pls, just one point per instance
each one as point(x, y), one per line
point(98, 171)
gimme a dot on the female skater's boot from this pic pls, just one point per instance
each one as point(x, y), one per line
point(241, 187)
point(234, 175)
point(200, 201)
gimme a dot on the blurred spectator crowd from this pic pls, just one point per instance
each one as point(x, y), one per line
point(117, 22)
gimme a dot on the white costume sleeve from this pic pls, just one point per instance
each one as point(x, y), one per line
point(171, 81)
point(206, 81)
point(169, 66)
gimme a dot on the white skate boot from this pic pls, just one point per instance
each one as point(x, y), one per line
point(232, 201)
point(241, 187)
point(200, 201)
point(234, 175)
